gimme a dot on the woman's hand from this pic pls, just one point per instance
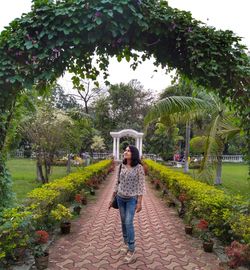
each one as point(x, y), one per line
point(138, 207)
point(110, 204)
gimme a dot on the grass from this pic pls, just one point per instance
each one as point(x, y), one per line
point(234, 178)
point(23, 172)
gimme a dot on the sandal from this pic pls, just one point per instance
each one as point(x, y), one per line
point(129, 257)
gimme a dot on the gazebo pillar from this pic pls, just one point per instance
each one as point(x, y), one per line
point(114, 147)
point(137, 142)
point(118, 149)
point(140, 146)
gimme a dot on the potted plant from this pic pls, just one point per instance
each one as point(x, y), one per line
point(39, 249)
point(77, 204)
point(92, 191)
point(41, 257)
point(239, 254)
point(84, 197)
point(62, 215)
point(205, 235)
point(171, 202)
point(157, 184)
point(182, 198)
point(188, 222)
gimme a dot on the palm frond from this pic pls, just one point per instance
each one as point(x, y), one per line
point(178, 107)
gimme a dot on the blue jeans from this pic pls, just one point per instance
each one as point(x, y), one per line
point(127, 208)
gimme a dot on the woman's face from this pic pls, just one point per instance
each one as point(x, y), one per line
point(127, 153)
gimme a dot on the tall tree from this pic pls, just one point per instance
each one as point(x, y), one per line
point(86, 92)
point(49, 130)
point(124, 107)
point(61, 100)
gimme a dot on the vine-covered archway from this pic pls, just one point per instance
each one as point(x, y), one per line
point(65, 35)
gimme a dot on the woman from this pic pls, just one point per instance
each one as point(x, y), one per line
point(129, 197)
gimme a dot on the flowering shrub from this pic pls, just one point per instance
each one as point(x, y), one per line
point(61, 214)
point(204, 232)
point(15, 230)
point(78, 200)
point(42, 237)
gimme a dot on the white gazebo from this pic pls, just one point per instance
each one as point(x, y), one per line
point(125, 132)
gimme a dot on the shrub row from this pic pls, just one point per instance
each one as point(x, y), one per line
point(17, 224)
point(228, 216)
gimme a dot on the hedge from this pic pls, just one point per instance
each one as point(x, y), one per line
point(18, 224)
point(227, 215)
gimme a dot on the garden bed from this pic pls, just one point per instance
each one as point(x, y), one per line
point(18, 225)
point(226, 217)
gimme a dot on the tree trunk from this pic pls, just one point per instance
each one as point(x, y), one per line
point(68, 164)
point(51, 158)
point(187, 146)
point(218, 180)
point(40, 176)
point(46, 168)
point(38, 171)
point(86, 107)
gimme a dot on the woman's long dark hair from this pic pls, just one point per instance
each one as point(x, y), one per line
point(135, 156)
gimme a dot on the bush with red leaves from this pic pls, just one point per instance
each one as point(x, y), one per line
point(238, 253)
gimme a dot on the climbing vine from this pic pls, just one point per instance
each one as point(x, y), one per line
point(66, 35)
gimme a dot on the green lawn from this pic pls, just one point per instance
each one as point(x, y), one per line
point(23, 172)
point(234, 178)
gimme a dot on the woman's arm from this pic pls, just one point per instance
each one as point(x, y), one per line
point(139, 199)
point(115, 188)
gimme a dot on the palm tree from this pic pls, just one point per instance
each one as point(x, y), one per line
point(181, 108)
point(221, 129)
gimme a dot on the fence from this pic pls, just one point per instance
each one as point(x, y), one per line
point(225, 158)
point(96, 156)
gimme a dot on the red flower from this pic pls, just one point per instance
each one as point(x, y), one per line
point(43, 236)
point(203, 224)
point(182, 197)
point(78, 198)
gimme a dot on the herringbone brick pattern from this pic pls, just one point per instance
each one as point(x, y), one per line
point(160, 240)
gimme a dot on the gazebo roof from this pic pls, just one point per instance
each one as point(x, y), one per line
point(127, 132)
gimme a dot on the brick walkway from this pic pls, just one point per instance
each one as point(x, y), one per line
point(160, 240)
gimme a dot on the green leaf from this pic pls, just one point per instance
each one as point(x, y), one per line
point(110, 13)
point(76, 41)
point(67, 23)
point(118, 9)
point(66, 31)
point(50, 36)
point(59, 42)
point(127, 57)
point(28, 44)
point(119, 58)
point(98, 21)
point(90, 27)
point(114, 33)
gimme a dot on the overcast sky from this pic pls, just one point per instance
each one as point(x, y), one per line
point(222, 14)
